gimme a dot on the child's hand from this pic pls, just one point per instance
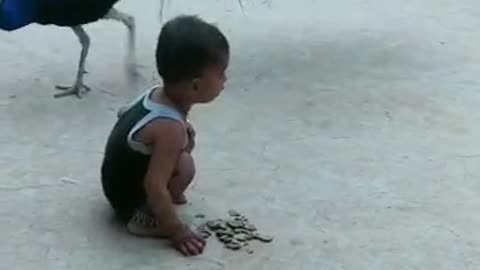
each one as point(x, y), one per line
point(188, 242)
point(191, 137)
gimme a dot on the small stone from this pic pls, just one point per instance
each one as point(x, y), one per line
point(224, 232)
point(235, 224)
point(223, 226)
point(233, 245)
point(234, 213)
point(249, 227)
point(242, 237)
point(241, 230)
point(225, 239)
point(263, 238)
point(216, 224)
point(240, 219)
point(249, 236)
point(199, 215)
point(211, 224)
point(205, 234)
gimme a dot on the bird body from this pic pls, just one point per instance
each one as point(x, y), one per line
point(15, 14)
point(73, 12)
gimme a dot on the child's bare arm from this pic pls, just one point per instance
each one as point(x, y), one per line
point(167, 139)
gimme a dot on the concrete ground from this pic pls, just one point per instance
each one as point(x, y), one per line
point(348, 130)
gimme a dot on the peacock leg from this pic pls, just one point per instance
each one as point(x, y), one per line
point(78, 88)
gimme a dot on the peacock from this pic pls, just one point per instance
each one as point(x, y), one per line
point(16, 14)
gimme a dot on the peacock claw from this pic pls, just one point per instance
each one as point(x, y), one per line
point(79, 89)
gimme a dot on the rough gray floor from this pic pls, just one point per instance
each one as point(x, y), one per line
point(349, 130)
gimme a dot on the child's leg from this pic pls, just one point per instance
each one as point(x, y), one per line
point(185, 172)
point(144, 223)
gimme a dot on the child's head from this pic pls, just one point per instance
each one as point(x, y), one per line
point(193, 54)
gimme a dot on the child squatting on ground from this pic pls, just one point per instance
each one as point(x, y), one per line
point(148, 164)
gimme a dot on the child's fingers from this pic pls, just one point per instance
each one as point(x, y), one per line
point(191, 130)
point(191, 244)
point(198, 243)
point(192, 249)
point(200, 239)
point(183, 250)
point(191, 133)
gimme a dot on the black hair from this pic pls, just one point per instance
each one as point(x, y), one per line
point(186, 46)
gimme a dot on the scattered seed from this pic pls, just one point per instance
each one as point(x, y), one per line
point(263, 238)
point(241, 237)
point(223, 226)
point(205, 234)
point(235, 233)
point(225, 239)
point(215, 224)
point(235, 224)
point(233, 245)
point(234, 213)
point(241, 230)
point(224, 232)
point(199, 215)
point(240, 219)
point(249, 227)
point(69, 180)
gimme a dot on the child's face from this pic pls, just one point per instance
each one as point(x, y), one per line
point(211, 83)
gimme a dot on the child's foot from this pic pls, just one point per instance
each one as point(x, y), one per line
point(144, 224)
point(180, 199)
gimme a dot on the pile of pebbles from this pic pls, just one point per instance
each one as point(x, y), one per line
point(235, 232)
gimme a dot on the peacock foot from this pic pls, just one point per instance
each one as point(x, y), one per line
point(79, 89)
